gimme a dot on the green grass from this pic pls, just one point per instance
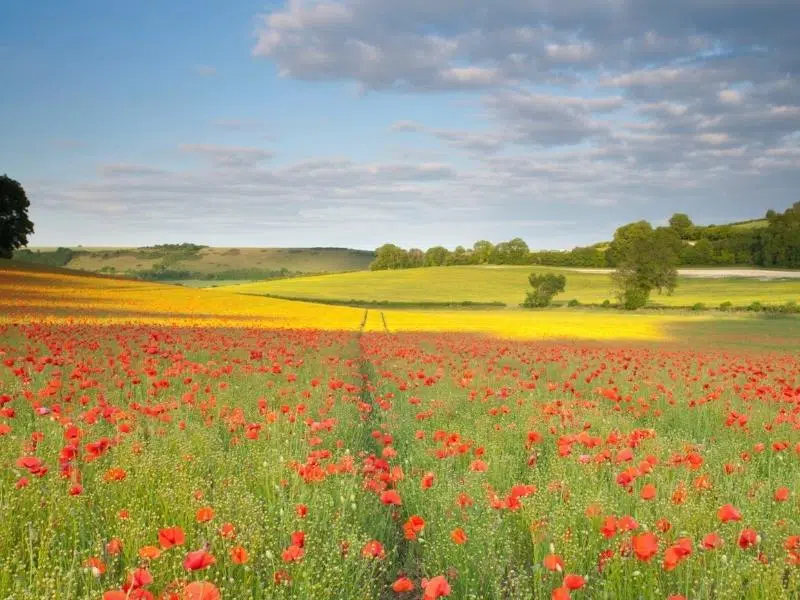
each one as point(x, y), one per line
point(509, 285)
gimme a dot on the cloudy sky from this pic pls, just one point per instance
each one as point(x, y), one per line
point(356, 122)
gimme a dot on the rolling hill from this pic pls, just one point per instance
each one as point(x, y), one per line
point(172, 262)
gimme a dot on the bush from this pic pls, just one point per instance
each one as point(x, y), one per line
point(756, 307)
point(574, 302)
point(545, 288)
point(726, 306)
point(791, 307)
point(698, 306)
point(606, 303)
point(634, 298)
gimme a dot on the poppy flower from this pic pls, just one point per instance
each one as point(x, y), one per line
point(648, 492)
point(95, 565)
point(712, 541)
point(239, 555)
point(301, 510)
point(391, 497)
point(574, 582)
point(427, 481)
point(149, 552)
point(560, 593)
point(553, 562)
point(413, 526)
point(748, 538)
point(458, 536)
point(645, 546)
point(402, 585)
point(729, 512)
point(373, 549)
point(228, 531)
point(293, 553)
point(197, 560)
point(114, 546)
point(201, 590)
point(171, 536)
point(204, 514)
point(781, 494)
point(435, 588)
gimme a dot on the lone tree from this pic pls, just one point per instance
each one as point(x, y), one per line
point(545, 287)
point(15, 226)
point(646, 260)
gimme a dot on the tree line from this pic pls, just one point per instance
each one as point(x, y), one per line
point(773, 244)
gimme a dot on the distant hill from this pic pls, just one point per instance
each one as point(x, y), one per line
point(175, 262)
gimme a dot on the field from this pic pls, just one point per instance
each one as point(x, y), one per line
point(508, 285)
point(185, 444)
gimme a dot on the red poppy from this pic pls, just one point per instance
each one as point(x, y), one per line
point(391, 497)
point(458, 536)
point(373, 549)
point(748, 538)
point(574, 582)
point(239, 555)
point(402, 585)
point(553, 562)
point(729, 512)
point(199, 559)
point(293, 553)
point(435, 588)
point(171, 536)
point(201, 590)
point(645, 546)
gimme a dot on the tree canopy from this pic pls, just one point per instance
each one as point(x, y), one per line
point(15, 226)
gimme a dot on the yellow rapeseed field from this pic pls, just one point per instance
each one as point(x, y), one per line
point(33, 295)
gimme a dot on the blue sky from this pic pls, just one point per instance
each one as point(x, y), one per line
point(354, 122)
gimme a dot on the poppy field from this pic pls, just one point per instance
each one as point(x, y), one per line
point(172, 462)
point(165, 443)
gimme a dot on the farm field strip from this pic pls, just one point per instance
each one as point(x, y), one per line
point(508, 285)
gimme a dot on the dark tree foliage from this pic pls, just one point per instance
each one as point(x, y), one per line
point(15, 226)
point(646, 260)
point(749, 243)
point(545, 287)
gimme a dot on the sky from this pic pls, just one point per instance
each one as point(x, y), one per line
point(359, 122)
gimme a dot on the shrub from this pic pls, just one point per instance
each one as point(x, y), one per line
point(755, 306)
point(698, 306)
point(545, 288)
point(634, 297)
point(726, 306)
point(574, 302)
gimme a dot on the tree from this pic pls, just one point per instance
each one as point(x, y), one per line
point(481, 251)
point(389, 256)
point(545, 287)
point(416, 258)
point(647, 259)
point(436, 256)
point(780, 242)
point(15, 226)
point(518, 252)
point(681, 223)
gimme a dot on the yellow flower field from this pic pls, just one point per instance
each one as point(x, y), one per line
point(28, 294)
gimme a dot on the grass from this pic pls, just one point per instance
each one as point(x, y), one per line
point(751, 224)
point(509, 285)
